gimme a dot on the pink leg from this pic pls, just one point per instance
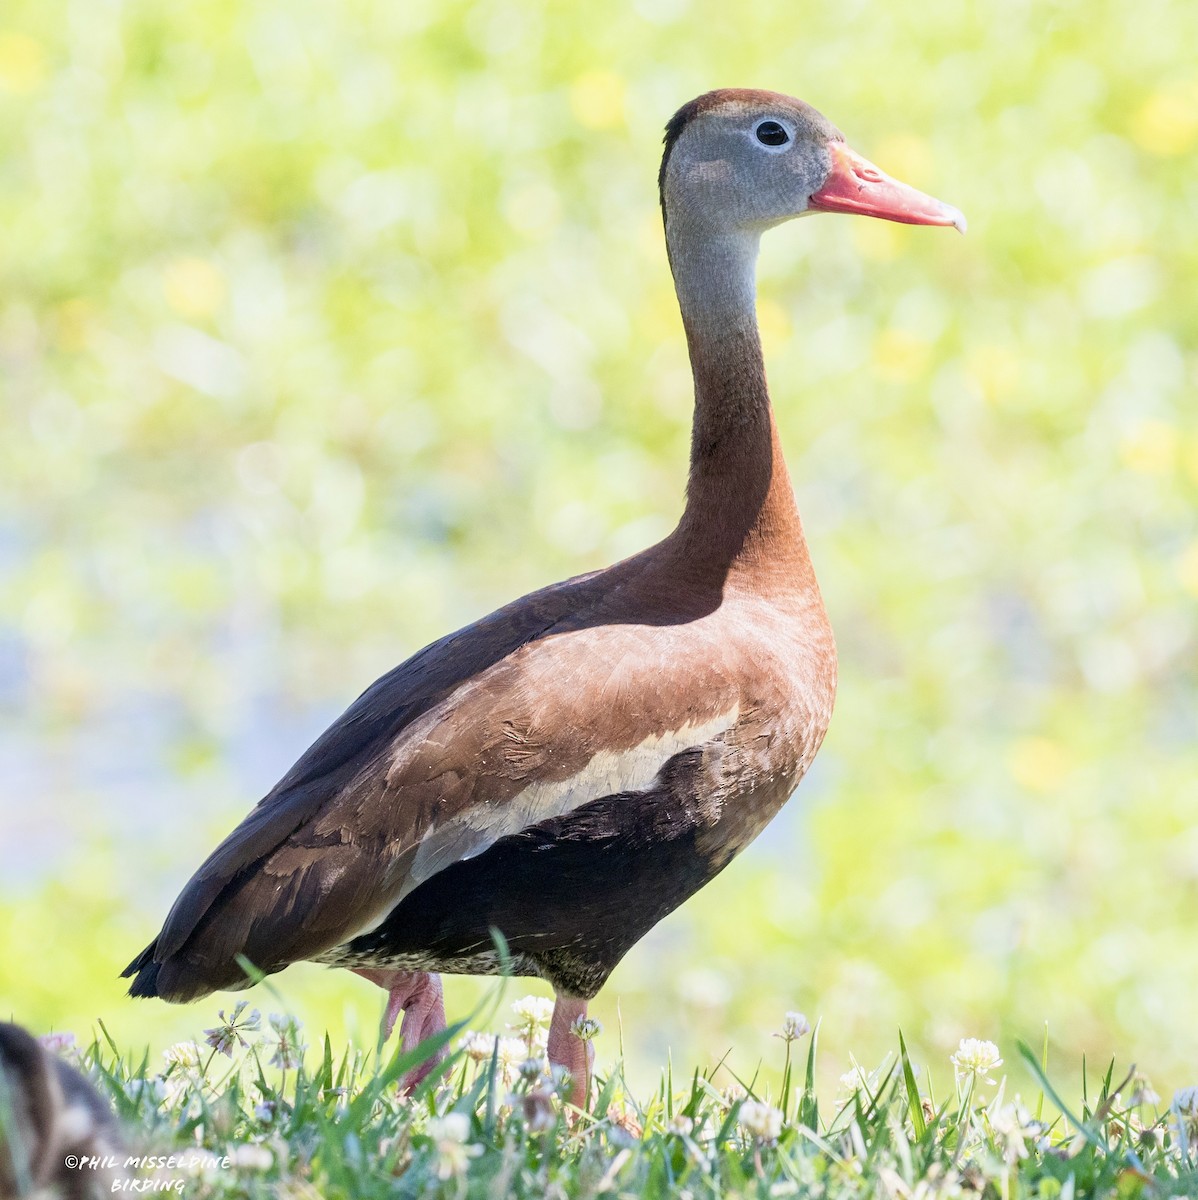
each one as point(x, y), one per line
point(418, 996)
point(569, 1051)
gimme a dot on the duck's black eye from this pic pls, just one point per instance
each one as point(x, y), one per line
point(770, 133)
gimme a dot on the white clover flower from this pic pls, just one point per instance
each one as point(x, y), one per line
point(453, 1159)
point(184, 1056)
point(586, 1028)
point(976, 1058)
point(202, 1162)
point(532, 1068)
point(182, 1089)
point(452, 1127)
point(449, 1134)
point(250, 1157)
point(231, 1031)
point(1012, 1126)
point(680, 1125)
point(181, 1085)
point(289, 1050)
point(761, 1120)
point(533, 1013)
point(533, 1010)
point(511, 1053)
point(794, 1025)
point(479, 1047)
point(560, 1078)
point(1142, 1092)
point(859, 1079)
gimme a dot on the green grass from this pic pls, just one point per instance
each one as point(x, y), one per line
point(296, 1121)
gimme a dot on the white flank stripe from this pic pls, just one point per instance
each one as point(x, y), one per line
point(610, 771)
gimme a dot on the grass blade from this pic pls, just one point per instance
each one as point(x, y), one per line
point(1082, 1126)
point(914, 1103)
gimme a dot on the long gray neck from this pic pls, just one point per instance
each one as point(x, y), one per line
point(738, 493)
point(715, 275)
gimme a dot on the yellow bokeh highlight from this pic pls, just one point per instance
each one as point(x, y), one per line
point(1189, 458)
point(1187, 568)
point(906, 157)
point(995, 369)
point(534, 210)
point(1167, 122)
point(72, 324)
point(900, 356)
point(597, 100)
point(1039, 764)
point(193, 287)
point(650, 238)
point(1150, 448)
point(877, 241)
point(657, 314)
point(22, 63)
point(774, 322)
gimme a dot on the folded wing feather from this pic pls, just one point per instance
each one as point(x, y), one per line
point(555, 723)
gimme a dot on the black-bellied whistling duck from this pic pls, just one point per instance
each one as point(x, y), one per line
point(49, 1115)
point(571, 768)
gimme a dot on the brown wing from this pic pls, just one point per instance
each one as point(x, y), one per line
point(518, 718)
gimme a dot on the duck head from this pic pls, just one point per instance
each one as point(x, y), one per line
point(739, 160)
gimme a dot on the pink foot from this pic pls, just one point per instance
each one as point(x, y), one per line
point(568, 1050)
point(418, 996)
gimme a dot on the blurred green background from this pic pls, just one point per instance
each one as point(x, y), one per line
point(327, 328)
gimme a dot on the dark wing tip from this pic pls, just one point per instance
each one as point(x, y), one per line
point(146, 971)
point(145, 985)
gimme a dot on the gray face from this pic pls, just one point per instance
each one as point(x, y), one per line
point(745, 163)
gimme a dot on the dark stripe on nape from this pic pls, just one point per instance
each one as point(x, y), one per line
point(679, 121)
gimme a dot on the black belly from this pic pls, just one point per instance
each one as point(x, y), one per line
point(571, 895)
